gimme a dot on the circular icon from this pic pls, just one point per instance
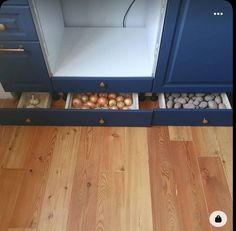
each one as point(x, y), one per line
point(218, 219)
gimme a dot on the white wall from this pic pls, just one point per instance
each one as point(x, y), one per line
point(107, 13)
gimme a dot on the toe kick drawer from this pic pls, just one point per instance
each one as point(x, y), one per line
point(193, 117)
point(15, 112)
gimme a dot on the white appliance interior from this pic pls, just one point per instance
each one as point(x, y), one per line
point(86, 38)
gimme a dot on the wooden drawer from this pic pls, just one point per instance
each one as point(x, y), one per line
point(16, 24)
point(193, 117)
point(62, 116)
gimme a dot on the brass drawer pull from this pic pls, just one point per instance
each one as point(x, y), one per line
point(12, 50)
point(101, 121)
point(28, 120)
point(102, 85)
point(2, 27)
point(205, 121)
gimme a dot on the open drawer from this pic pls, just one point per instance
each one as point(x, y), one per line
point(58, 113)
point(193, 117)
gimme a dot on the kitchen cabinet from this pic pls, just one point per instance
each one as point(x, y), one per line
point(196, 53)
point(148, 46)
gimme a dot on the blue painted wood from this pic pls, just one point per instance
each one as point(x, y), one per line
point(15, 2)
point(83, 84)
point(190, 117)
point(24, 71)
point(18, 22)
point(75, 117)
point(196, 51)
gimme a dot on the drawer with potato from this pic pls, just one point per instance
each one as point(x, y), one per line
point(200, 109)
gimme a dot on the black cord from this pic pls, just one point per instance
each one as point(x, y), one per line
point(126, 14)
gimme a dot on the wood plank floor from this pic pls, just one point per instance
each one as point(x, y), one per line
point(114, 179)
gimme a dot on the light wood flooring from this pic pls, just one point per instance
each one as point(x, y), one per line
point(114, 179)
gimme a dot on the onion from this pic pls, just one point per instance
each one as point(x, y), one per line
point(120, 98)
point(128, 101)
point(93, 98)
point(85, 107)
point(84, 98)
point(112, 102)
point(76, 102)
point(125, 108)
point(112, 95)
point(90, 104)
point(102, 94)
point(102, 101)
point(120, 105)
point(114, 108)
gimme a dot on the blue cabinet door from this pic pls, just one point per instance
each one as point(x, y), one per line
point(196, 48)
point(22, 67)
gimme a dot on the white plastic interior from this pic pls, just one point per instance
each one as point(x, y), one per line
point(86, 38)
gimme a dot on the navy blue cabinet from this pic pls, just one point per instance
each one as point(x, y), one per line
point(22, 64)
point(17, 24)
point(22, 67)
point(196, 48)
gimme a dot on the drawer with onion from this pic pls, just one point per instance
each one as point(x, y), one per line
point(199, 109)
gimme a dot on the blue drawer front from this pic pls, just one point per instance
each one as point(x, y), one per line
point(16, 2)
point(23, 70)
point(72, 117)
point(18, 24)
point(185, 117)
point(71, 84)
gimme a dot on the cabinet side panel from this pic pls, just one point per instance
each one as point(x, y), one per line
point(50, 23)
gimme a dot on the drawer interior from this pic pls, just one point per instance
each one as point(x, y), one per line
point(64, 101)
point(162, 98)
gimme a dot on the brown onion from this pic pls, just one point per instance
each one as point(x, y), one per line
point(84, 98)
point(128, 101)
point(120, 105)
point(112, 95)
point(85, 107)
point(102, 94)
point(125, 108)
point(102, 101)
point(93, 98)
point(120, 98)
point(76, 102)
point(91, 104)
point(114, 108)
point(112, 102)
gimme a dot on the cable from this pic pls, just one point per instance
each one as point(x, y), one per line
point(126, 14)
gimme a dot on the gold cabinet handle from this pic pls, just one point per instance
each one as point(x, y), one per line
point(28, 120)
point(2, 27)
point(12, 50)
point(102, 85)
point(101, 121)
point(205, 121)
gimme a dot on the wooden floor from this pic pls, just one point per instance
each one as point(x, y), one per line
point(114, 179)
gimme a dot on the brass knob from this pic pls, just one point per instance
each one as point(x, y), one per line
point(2, 27)
point(28, 120)
point(205, 121)
point(101, 121)
point(102, 85)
